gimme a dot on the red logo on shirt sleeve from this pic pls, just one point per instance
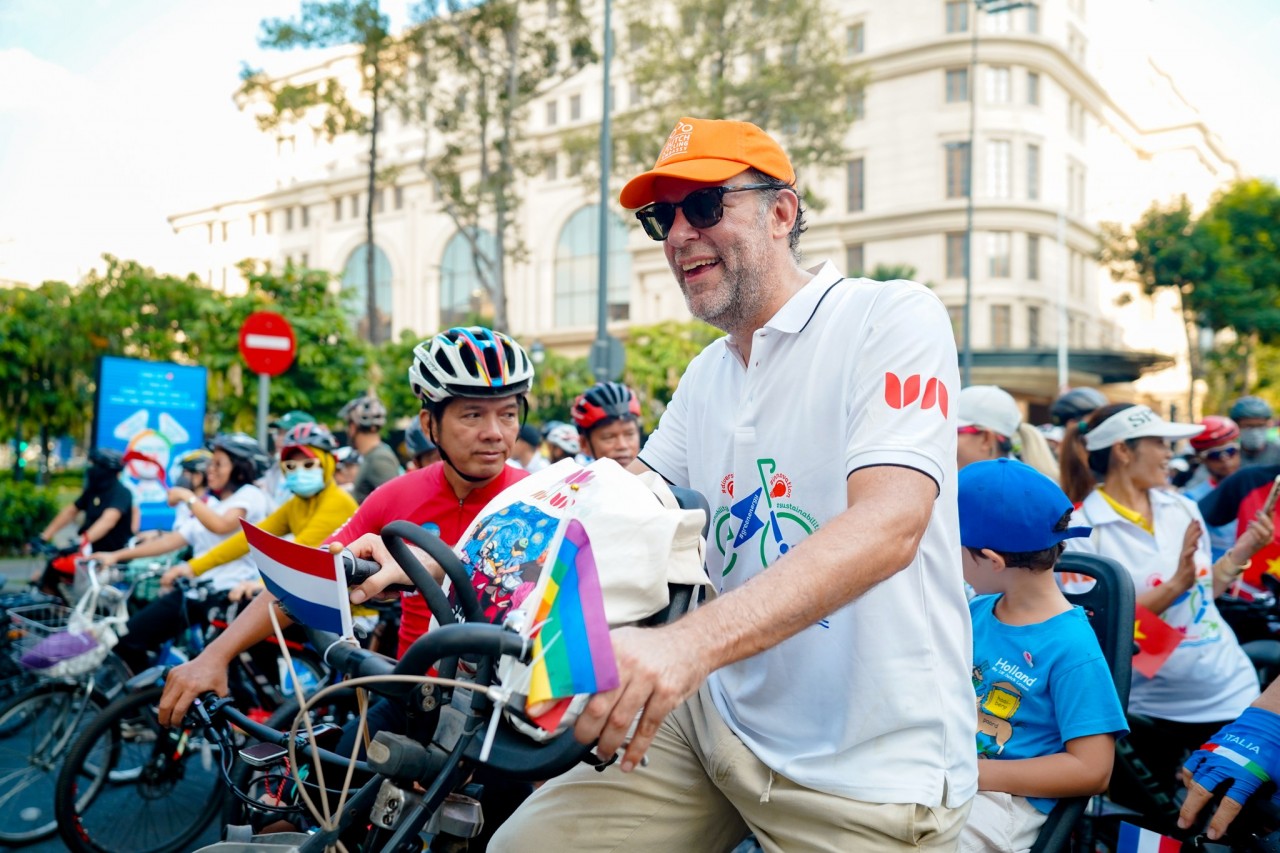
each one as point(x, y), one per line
point(900, 393)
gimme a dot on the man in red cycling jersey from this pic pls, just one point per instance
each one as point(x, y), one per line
point(472, 383)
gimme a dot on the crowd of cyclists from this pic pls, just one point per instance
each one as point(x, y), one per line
point(1183, 508)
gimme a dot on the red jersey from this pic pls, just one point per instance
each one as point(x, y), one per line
point(423, 497)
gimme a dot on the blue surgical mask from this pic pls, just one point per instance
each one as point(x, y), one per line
point(304, 482)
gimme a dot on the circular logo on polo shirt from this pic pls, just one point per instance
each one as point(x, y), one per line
point(726, 485)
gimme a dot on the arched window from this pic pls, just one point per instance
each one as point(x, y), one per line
point(354, 279)
point(463, 272)
point(576, 269)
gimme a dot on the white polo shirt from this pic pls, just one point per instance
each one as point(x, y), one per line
point(1208, 677)
point(874, 702)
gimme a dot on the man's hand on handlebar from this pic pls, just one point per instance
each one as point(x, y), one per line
point(656, 673)
point(371, 547)
point(1246, 753)
point(182, 570)
point(188, 682)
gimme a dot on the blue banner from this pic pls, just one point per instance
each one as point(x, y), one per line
point(153, 412)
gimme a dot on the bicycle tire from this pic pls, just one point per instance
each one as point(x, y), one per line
point(126, 763)
point(37, 730)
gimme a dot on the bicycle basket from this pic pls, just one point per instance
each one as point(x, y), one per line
point(52, 640)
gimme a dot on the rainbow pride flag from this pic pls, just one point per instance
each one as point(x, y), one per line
point(571, 649)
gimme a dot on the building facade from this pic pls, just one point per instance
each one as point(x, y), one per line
point(1066, 121)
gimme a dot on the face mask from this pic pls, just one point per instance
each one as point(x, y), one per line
point(304, 482)
point(1253, 439)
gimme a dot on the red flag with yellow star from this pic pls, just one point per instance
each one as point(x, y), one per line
point(1266, 561)
point(1156, 641)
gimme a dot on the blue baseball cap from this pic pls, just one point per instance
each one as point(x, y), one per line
point(1008, 506)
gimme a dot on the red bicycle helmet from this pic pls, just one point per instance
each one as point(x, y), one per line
point(604, 401)
point(1217, 431)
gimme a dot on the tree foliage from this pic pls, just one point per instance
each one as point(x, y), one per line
point(52, 335)
point(775, 63)
point(656, 358)
point(1222, 264)
point(477, 68)
point(325, 102)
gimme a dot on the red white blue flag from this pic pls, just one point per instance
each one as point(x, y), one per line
point(1135, 839)
point(309, 582)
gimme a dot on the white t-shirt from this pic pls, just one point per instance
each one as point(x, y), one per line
point(256, 507)
point(1208, 677)
point(874, 702)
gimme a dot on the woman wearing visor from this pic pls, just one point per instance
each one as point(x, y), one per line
point(1160, 537)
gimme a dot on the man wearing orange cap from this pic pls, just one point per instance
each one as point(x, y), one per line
point(822, 700)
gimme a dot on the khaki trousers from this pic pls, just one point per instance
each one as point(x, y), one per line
point(704, 790)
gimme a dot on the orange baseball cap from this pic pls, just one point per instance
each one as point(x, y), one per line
point(712, 151)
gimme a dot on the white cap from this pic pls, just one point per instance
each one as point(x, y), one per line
point(1052, 432)
point(1136, 422)
point(988, 407)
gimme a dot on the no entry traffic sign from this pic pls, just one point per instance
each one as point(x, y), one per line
point(267, 343)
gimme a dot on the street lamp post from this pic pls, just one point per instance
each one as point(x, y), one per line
point(601, 347)
point(990, 7)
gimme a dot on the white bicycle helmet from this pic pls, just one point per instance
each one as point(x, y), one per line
point(564, 437)
point(469, 362)
point(366, 411)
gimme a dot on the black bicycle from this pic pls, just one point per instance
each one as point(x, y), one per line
point(407, 785)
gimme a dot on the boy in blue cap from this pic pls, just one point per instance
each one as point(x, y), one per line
point(1048, 714)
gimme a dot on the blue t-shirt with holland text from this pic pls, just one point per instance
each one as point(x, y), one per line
point(1039, 686)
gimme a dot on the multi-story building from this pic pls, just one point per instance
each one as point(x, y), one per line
point(1070, 124)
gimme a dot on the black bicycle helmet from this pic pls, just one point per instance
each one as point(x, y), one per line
point(107, 459)
point(469, 362)
point(1076, 404)
point(1250, 407)
point(239, 445)
point(604, 401)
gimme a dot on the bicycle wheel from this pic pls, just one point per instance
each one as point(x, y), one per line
point(165, 783)
point(36, 733)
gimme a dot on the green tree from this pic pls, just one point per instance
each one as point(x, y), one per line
point(43, 384)
point(1166, 249)
point(775, 63)
point(328, 23)
point(478, 65)
point(394, 358)
point(332, 364)
point(557, 382)
point(656, 359)
point(1242, 223)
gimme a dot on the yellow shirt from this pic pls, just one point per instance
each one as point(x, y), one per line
point(310, 520)
point(1130, 515)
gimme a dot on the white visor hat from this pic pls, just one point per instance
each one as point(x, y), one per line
point(1136, 422)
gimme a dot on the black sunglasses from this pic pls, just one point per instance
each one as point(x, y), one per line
point(702, 209)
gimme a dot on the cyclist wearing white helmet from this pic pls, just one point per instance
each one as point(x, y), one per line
point(562, 443)
point(472, 383)
point(365, 417)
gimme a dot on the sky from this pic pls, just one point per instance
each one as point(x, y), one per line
point(115, 114)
